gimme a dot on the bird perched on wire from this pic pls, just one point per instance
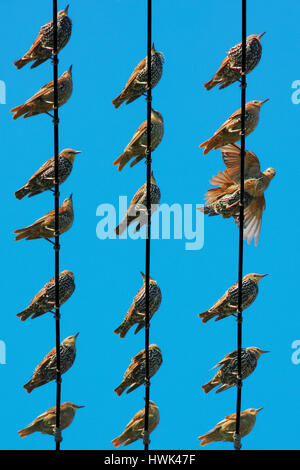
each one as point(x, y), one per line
point(137, 147)
point(43, 179)
point(135, 374)
point(45, 226)
point(231, 68)
point(42, 48)
point(46, 371)
point(43, 100)
point(44, 301)
point(230, 131)
point(226, 203)
point(224, 431)
point(135, 428)
point(137, 210)
point(226, 377)
point(228, 304)
point(137, 310)
point(46, 422)
point(137, 84)
point(232, 175)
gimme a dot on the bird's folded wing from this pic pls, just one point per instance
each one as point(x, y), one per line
point(140, 131)
point(136, 71)
point(137, 196)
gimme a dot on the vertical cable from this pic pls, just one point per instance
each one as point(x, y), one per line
point(148, 237)
point(237, 440)
point(56, 244)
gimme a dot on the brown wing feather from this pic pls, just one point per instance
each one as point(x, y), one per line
point(253, 219)
point(136, 71)
point(232, 158)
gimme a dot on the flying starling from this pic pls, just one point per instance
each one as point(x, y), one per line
point(46, 422)
point(135, 428)
point(227, 202)
point(43, 100)
point(136, 372)
point(44, 301)
point(137, 84)
point(137, 210)
point(43, 179)
point(42, 48)
point(224, 431)
point(46, 371)
point(231, 68)
point(137, 311)
point(230, 131)
point(253, 212)
point(45, 226)
point(137, 147)
point(226, 377)
point(228, 304)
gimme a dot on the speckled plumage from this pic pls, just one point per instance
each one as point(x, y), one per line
point(44, 301)
point(224, 431)
point(43, 100)
point(45, 372)
point(138, 82)
point(45, 226)
point(41, 49)
point(135, 428)
point(230, 131)
point(231, 68)
point(43, 179)
point(137, 210)
point(228, 303)
point(135, 374)
point(137, 147)
point(46, 422)
point(226, 376)
point(137, 310)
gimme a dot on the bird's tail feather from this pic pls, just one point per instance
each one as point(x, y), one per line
point(22, 192)
point(120, 389)
point(206, 316)
point(21, 62)
point(27, 431)
point(122, 160)
point(209, 386)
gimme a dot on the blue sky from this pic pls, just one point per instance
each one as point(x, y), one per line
point(108, 40)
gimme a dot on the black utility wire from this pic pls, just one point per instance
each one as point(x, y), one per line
point(148, 237)
point(56, 244)
point(237, 440)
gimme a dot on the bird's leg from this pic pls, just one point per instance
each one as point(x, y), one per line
point(50, 241)
point(57, 435)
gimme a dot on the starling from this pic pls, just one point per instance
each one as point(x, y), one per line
point(43, 100)
point(44, 301)
point(230, 131)
point(253, 214)
point(135, 428)
point(137, 84)
point(224, 431)
point(137, 147)
point(228, 304)
point(228, 199)
point(46, 422)
point(45, 226)
point(226, 377)
point(137, 210)
point(43, 179)
point(42, 48)
point(136, 373)
point(231, 68)
point(137, 311)
point(46, 371)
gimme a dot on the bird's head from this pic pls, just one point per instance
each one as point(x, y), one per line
point(68, 73)
point(269, 173)
point(70, 341)
point(63, 12)
point(257, 351)
point(151, 280)
point(70, 154)
point(156, 116)
point(68, 202)
point(75, 407)
point(253, 411)
point(256, 104)
point(255, 277)
point(68, 273)
point(154, 347)
point(152, 179)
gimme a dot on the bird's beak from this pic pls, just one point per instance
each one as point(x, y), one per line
point(259, 409)
point(262, 102)
point(77, 151)
point(77, 406)
point(263, 275)
point(264, 352)
point(261, 35)
point(71, 196)
point(67, 8)
point(75, 336)
point(153, 48)
point(70, 69)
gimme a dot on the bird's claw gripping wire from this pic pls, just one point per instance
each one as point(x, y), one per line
point(237, 441)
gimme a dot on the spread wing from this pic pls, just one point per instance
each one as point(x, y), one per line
point(253, 219)
point(231, 155)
